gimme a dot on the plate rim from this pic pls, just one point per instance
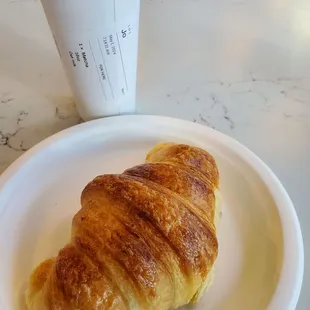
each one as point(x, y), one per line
point(290, 281)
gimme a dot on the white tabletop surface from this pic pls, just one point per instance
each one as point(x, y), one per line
point(240, 66)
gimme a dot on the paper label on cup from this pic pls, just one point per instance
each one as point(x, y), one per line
point(98, 49)
point(102, 57)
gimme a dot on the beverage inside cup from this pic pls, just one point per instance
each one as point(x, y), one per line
point(98, 44)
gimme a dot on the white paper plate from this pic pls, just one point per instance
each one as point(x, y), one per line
point(260, 265)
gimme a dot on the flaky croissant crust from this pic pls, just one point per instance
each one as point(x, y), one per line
point(144, 239)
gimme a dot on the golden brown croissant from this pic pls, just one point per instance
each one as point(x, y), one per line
point(144, 239)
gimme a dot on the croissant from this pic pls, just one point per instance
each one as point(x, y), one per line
point(144, 239)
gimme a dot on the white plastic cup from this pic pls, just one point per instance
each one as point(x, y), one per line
point(98, 43)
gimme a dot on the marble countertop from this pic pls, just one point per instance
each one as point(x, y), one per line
point(240, 66)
